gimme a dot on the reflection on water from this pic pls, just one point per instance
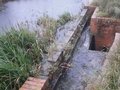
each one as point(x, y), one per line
point(29, 10)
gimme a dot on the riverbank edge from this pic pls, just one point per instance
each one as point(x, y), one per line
point(59, 58)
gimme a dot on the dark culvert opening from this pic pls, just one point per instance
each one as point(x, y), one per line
point(92, 44)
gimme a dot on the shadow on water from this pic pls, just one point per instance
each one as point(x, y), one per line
point(85, 64)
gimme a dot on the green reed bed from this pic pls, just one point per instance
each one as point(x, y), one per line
point(20, 56)
point(21, 51)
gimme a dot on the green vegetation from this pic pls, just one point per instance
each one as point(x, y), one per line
point(21, 51)
point(110, 79)
point(20, 56)
point(112, 76)
point(108, 8)
point(48, 27)
point(48, 23)
point(64, 18)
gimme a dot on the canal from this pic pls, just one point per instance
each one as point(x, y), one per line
point(85, 65)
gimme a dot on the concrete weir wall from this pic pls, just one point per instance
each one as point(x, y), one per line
point(103, 30)
point(51, 69)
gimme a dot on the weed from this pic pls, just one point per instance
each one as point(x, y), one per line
point(64, 18)
point(51, 50)
point(110, 80)
point(108, 7)
point(48, 27)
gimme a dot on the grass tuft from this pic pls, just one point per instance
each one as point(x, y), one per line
point(64, 18)
point(109, 7)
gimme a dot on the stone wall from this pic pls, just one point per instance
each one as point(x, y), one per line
point(104, 30)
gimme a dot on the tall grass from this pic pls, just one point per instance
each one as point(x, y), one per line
point(64, 18)
point(112, 76)
point(110, 80)
point(48, 27)
point(19, 53)
point(109, 8)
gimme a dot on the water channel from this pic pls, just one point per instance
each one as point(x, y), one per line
point(22, 11)
point(86, 65)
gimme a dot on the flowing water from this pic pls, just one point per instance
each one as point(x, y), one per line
point(22, 11)
point(85, 63)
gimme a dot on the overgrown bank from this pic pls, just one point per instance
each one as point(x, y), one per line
point(20, 56)
point(21, 52)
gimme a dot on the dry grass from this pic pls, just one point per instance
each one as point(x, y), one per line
point(109, 8)
point(110, 78)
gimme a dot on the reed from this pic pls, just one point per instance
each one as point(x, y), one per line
point(19, 53)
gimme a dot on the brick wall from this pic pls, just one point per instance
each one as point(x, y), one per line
point(104, 30)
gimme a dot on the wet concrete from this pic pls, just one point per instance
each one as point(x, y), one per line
point(22, 11)
point(86, 65)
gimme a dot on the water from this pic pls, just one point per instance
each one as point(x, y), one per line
point(86, 65)
point(21, 11)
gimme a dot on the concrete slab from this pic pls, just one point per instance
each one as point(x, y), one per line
point(66, 39)
point(69, 33)
point(83, 12)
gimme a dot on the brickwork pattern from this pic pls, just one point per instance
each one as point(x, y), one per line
point(33, 84)
point(104, 30)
